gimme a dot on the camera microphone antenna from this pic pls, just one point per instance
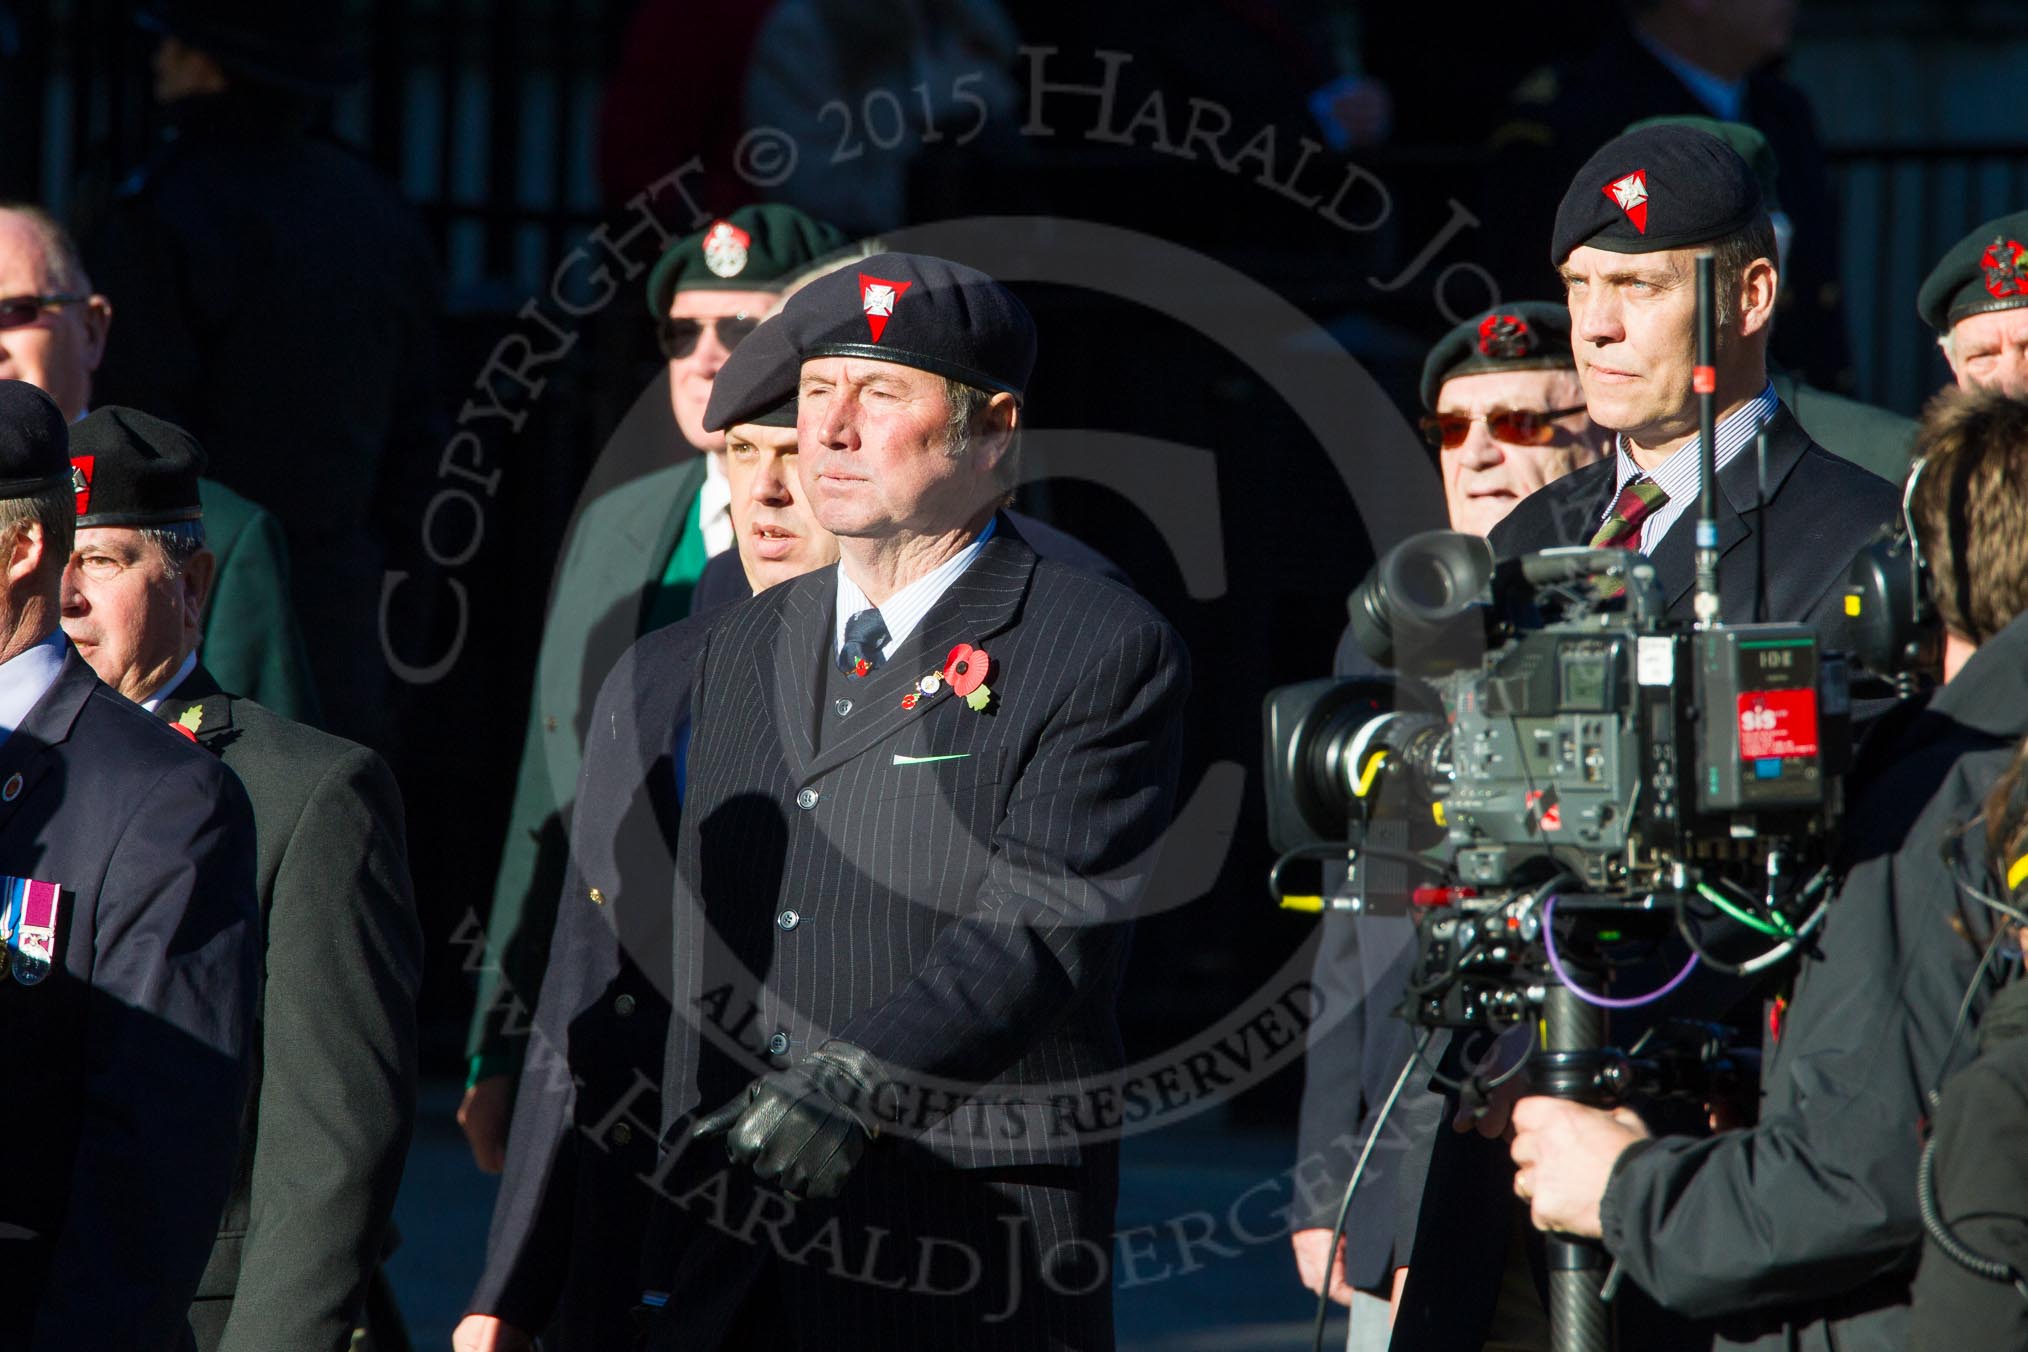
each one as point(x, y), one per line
point(1704, 380)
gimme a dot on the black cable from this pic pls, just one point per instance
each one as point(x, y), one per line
point(1970, 1259)
point(1351, 1187)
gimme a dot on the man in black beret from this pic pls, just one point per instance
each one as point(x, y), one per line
point(1871, 438)
point(635, 557)
point(1976, 298)
point(1659, 58)
point(1504, 416)
point(131, 956)
point(327, 1119)
point(966, 754)
point(1626, 241)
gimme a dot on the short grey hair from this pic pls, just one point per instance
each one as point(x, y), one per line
point(966, 403)
point(179, 542)
point(55, 511)
point(62, 264)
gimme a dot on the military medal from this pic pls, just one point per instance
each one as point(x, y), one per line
point(28, 927)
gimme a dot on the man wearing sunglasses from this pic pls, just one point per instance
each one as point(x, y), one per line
point(53, 334)
point(632, 565)
point(1506, 416)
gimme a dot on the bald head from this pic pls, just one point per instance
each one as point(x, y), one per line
point(59, 348)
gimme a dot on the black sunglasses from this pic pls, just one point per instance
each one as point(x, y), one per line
point(679, 336)
point(16, 311)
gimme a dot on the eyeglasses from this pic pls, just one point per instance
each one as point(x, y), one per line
point(679, 336)
point(1515, 426)
point(16, 311)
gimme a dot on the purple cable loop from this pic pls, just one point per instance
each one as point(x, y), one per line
point(1590, 998)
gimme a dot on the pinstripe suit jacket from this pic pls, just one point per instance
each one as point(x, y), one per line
point(949, 889)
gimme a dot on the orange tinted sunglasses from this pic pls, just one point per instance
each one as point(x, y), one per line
point(1515, 426)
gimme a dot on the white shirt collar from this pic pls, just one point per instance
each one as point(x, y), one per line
point(904, 610)
point(27, 676)
point(169, 686)
point(714, 507)
point(1677, 476)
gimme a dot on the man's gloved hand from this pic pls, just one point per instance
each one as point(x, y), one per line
point(803, 1128)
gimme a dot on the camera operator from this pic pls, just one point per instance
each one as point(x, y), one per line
point(1802, 1231)
point(1626, 241)
point(1505, 416)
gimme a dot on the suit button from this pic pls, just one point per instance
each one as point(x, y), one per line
point(598, 898)
point(778, 1045)
point(624, 1006)
point(788, 920)
point(843, 706)
point(807, 799)
point(622, 1134)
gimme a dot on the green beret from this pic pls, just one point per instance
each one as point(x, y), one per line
point(1986, 270)
point(1746, 142)
point(757, 248)
point(1527, 335)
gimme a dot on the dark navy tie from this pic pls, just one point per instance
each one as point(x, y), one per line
point(865, 635)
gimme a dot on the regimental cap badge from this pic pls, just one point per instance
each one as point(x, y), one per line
point(877, 296)
point(81, 481)
point(2005, 264)
point(726, 249)
point(1630, 194)
point(1505, 337)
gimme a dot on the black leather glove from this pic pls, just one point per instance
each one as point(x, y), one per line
point(803, 1128)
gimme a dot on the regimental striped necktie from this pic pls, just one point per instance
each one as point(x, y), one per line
point(1638, 501)
point(865, 636)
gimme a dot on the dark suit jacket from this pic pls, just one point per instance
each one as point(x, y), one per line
point(129, 1059)
point(948, 889)
point(328, 1116)
point(605, 591)
point(1786, 559)
point(568, 1224)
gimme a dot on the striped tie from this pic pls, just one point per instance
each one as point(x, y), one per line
point(1638, 501)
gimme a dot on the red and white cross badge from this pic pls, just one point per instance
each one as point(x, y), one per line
point(877, 297)
point(1630, 194)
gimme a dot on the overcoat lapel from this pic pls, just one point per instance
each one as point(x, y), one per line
point(789, 660)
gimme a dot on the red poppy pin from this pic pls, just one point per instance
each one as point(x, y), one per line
point(861, 666)
point(966, 669)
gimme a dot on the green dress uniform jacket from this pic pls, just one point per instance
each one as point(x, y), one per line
point(251, 640)
point(332, 1101)
point(603, 595)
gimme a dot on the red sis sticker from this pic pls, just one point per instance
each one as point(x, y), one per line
point(81, 481)
point(1777, 723)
